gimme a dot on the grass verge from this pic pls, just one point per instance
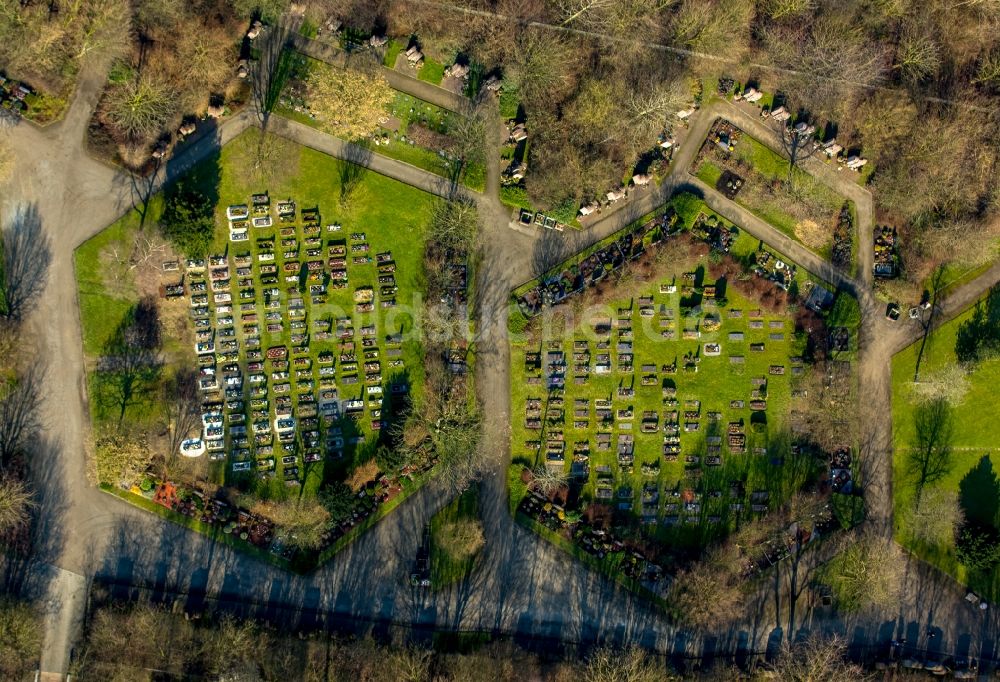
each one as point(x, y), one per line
point(456, 539)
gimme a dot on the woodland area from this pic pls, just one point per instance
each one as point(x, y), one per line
point(24, 262)
point(913, 85)
point(130, 642)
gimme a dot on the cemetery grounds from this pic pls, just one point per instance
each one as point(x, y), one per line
point(380, 216)
point(975, 452)
point(805, 209)
point(667, 407)
point(415, 132)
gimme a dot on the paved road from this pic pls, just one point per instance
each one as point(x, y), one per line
point(525, 585)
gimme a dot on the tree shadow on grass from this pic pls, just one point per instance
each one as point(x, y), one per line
point(979, 493)
point(352, 169)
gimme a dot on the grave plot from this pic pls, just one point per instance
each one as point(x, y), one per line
point(290, 375)
point(264, 377)
point(749, 173)
point(659, 420)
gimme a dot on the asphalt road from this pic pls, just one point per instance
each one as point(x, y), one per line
point(525, 585)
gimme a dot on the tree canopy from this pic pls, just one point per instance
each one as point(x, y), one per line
point(979, 337)
point(349, 103)
point(188, 218)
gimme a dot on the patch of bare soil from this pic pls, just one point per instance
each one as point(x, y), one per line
point(812, 234)
point(149, 253)
point(423, 136)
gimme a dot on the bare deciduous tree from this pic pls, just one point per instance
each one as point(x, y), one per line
point(410, 664)
point(456, 438)
point(989, 70)
point(454, 225)
point(121, 458)
point(817, 659)
point(348, 102)
point(867, 573)
point(936, 516)
point(21, 625)
point(949, 383)
point(15, 504)
point(6, 163)
point(649, 107)
point(780, 9)
point(918, 57)
point(706, 594)
point(635, 20)
point(547, 480)
point(302, 523)
point(469, 134)
point(139, 108)
point(539, 67)
point(107, 28)
point(623, 665)
point(712, 27)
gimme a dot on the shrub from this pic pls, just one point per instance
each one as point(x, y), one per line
point(515, 195)
point(978, 546)
point(461, 539)
point(687, 206)
point(188, 219)
point(845, 312)
point(564, 212)
point(517, 323)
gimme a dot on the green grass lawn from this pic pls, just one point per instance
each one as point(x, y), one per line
point(392, 51)
point(463, 511)
point(709, 173)
point(409, 110)
point(515, 196)
point(394, 217)
point(975, 436)
point(820, 201)
point(955, 275)
point(432, 71)
point(510, 101)
point(104, 299)
point(716, 383)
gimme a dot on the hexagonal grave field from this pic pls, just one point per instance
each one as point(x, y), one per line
point(651, 414)
point(248, 388)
